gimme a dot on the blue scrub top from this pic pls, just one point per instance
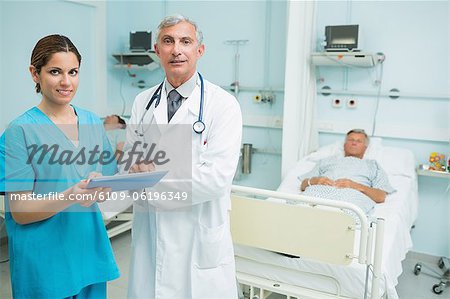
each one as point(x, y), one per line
point(56, 257)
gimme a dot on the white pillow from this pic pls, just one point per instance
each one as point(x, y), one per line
point(394, 160)
point(397, 161)
point(373, 151)
point(330, 150)
point(291, 181)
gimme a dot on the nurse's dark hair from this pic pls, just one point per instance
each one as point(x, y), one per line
point(46, 47)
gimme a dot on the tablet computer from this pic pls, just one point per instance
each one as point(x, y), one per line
point(131, 181)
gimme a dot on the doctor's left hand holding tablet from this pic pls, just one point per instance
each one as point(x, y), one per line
point(48, 155)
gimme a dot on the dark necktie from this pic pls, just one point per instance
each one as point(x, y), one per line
point(175, 100)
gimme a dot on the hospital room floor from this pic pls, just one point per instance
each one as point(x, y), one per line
point(410, 286)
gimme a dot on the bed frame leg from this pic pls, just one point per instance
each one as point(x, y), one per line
point(378, 255)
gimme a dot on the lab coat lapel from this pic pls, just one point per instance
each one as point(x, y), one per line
point(160, 112)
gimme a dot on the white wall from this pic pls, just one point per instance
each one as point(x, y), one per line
point(263, 23)
point(23, 23)
point(414, 36)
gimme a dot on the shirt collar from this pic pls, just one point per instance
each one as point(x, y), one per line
point(185, 89)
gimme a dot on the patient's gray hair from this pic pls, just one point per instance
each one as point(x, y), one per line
point(172, 20)
point(359, 131)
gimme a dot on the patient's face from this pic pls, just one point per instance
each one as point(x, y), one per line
point(355, 145)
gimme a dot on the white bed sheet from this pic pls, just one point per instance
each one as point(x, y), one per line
point(399, 212)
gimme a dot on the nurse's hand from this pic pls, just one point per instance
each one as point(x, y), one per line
point(88, 196)
point(142, 167)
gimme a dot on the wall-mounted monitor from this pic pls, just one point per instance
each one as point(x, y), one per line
point(140, 41)
point(341, 37)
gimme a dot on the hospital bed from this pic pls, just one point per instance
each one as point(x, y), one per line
point(2, 206)
point(117, 215)
point(340, 255)
point(117, 222)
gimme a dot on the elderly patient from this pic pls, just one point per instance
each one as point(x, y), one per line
point(350, 178)
point(115, 130)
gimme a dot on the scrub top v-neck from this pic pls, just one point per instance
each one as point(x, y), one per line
point(75, 143)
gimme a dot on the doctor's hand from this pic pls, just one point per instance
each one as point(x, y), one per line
point(88, 196)
point(142, 166)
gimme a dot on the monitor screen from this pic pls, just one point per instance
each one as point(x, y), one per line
point(342, 36)
point(140, 41)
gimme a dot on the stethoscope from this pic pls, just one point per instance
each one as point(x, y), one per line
point(198, 126)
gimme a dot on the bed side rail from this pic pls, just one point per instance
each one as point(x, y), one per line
point(325, 235)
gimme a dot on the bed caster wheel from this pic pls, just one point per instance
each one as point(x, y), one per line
point(417, 269)
point(438, 288)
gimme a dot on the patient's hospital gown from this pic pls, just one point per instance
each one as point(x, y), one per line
point(116, 137)
point(58, 256)
point(362, 171)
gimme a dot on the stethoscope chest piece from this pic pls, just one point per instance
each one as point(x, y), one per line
point(198, 127)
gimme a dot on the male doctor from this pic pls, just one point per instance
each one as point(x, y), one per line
point(187, 252)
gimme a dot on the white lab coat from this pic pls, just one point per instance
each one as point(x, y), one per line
point(188, 252)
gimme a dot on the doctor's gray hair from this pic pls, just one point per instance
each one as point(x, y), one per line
point(172, 20)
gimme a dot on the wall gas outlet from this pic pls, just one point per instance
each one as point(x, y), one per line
point(352, 103)
point(336, 103)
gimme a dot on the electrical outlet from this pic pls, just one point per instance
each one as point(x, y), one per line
point(336, 103)
point(352, 103)
point(264, 97)
point(268, 97)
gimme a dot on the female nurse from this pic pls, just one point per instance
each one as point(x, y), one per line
point(57, 241)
